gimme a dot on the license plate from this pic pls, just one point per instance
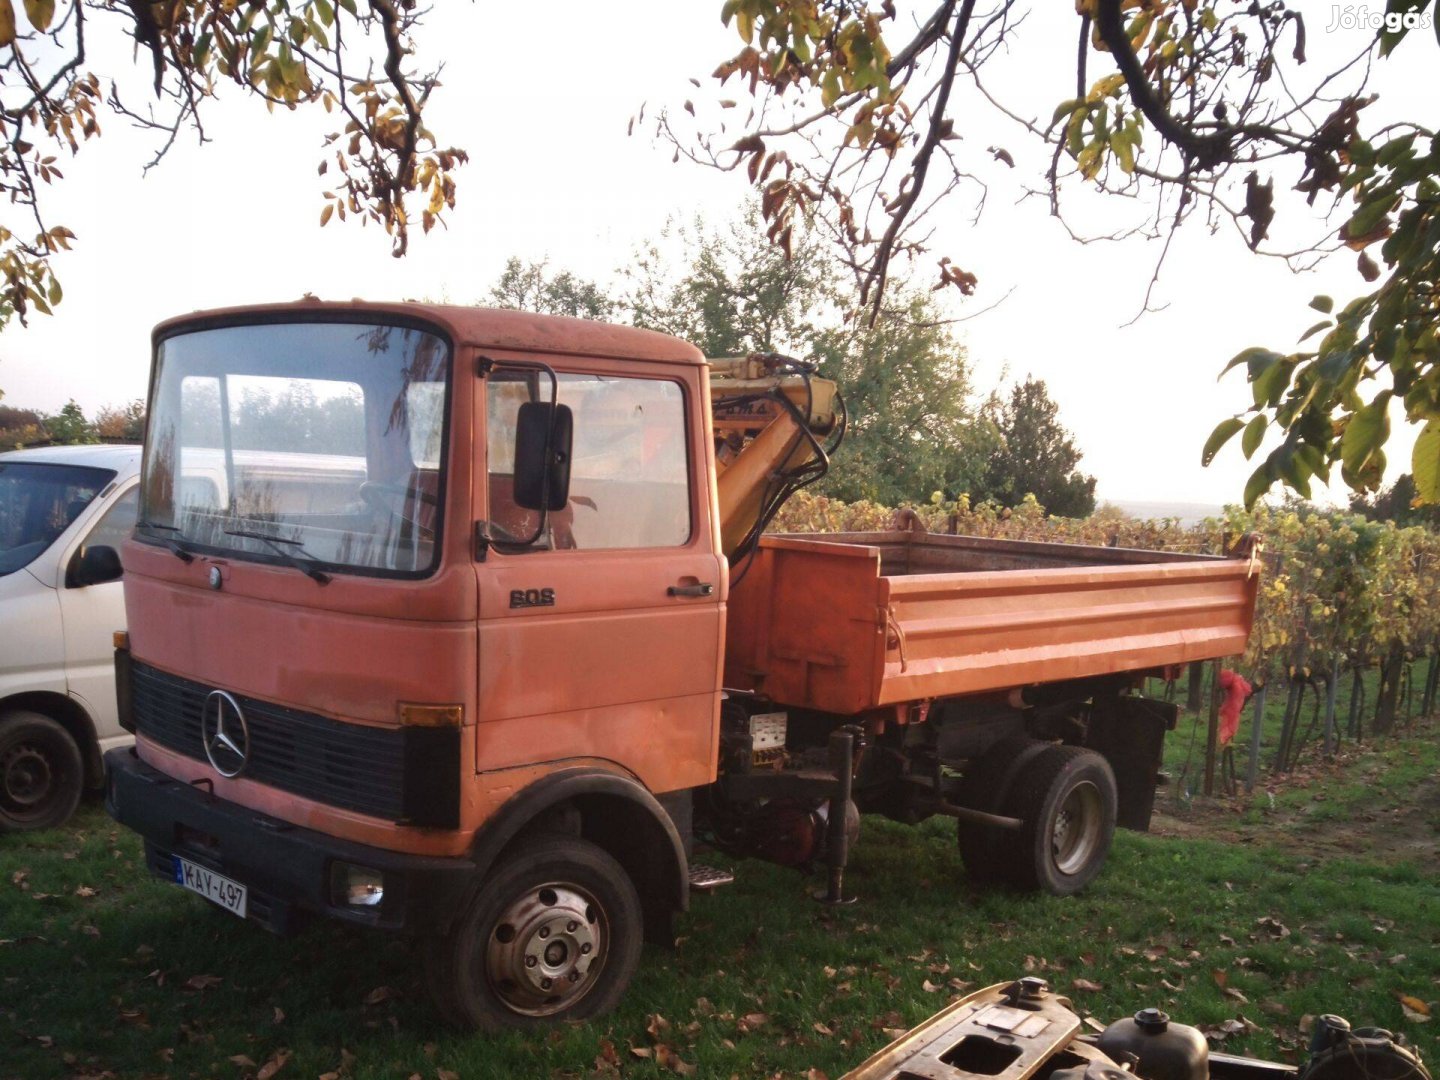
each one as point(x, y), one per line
point(217, 888)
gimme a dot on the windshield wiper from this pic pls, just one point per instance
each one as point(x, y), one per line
point(309, 569)
point(176, 548)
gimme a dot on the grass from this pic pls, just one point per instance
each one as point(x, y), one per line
point(103, 971)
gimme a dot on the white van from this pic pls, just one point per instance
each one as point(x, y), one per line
point(64, 511)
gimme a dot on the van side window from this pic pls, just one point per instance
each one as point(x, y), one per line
point(629, 473)
point(117, 523)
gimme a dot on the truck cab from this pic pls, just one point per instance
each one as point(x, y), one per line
point(364, 678)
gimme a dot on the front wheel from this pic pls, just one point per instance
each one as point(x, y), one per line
point(41, 774)
point(1066, 798)
point(554, 934)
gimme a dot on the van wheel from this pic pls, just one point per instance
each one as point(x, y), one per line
point(554, 934)
point(41, 774)
point(1066, 797)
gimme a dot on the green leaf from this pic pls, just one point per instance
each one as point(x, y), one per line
point(1250, 441)
point(1259, 483)
point(1425, 462)
point(1323, 303)
point(1321, 325)
point(1370, 215)
point(1223, 433)
point(1365, 433)
point(1249, 357)
point(1269, 378)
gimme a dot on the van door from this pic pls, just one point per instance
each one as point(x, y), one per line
point(602, 639)
point(91, 614)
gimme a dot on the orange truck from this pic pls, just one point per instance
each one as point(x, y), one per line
point(465, 624)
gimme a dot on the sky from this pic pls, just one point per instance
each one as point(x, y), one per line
point(541, 96)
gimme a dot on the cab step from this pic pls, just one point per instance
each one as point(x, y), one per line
point(704, 878)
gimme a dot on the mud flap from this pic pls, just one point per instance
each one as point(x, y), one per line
point(1129, 732)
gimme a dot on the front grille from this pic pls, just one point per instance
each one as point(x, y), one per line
point(343, 765)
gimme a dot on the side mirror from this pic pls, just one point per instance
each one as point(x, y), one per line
point(543, 433)
point(94, 565)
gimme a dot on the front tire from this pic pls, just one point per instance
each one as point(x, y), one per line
point(41, 773)
point(554, 934)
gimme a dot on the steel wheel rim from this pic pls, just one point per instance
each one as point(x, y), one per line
point(28, 779)
point(1075, 834)
point(546, 950)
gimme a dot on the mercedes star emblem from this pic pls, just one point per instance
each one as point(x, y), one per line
point(224, 733)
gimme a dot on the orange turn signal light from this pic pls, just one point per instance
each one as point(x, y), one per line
point(120, 639)
point(412, 715)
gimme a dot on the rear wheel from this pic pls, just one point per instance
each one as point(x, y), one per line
point(554, 934)
point(1066, 798)
point(41, 773)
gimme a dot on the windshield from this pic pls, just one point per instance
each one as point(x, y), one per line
point(37, 503)
point(309, 444)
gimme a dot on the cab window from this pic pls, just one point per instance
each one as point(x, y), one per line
point(629, 473)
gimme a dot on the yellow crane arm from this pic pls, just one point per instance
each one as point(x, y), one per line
point(770, 414)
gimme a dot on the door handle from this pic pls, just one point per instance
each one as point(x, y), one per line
point(704, 588)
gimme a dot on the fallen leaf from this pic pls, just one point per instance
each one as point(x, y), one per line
point(279, 1015)
point(816, 1074)
point(244, 1061)
point(642, 1051)
point(202, 982)
point(1231, 992)
point(84, 890)
point(930, 988)
point(1221, 978)
point(274, 1065)
point(656, 1026)
point(1086, 984)
point(376, 996)
point(446, 1074)
point(821, 1029)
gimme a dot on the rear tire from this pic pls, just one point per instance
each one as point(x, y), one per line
point(554, 934)
point(41, 772)
point(1066, 797)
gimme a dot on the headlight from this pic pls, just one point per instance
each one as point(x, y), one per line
point(356, 886)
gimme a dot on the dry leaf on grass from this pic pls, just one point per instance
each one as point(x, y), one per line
point(1086, 984)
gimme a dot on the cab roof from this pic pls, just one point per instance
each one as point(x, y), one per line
point(497, 328)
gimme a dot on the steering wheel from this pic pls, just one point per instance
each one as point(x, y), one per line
point(378, 496)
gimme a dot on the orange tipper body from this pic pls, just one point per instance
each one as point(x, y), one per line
point(427, 631)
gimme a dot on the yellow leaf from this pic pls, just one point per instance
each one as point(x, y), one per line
point(7, 23)
point(41, 13)
point(325, 214)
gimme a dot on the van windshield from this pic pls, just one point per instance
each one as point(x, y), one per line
point(313, 444)
point(38, 502)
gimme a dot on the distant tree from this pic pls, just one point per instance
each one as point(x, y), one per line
point(732, 294)
point(531, 287)
point(123, 423)
point(1036, 455)
point(1396, 503)
point(69, 426)
point(913, 429)
point(20, 427)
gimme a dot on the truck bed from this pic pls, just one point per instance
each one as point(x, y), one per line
point(845, 622)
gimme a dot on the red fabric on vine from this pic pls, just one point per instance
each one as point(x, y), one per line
point(1236, 690)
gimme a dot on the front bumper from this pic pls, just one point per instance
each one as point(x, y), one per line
point(286, 869)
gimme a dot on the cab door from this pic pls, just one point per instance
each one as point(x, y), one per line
point(602, 639)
